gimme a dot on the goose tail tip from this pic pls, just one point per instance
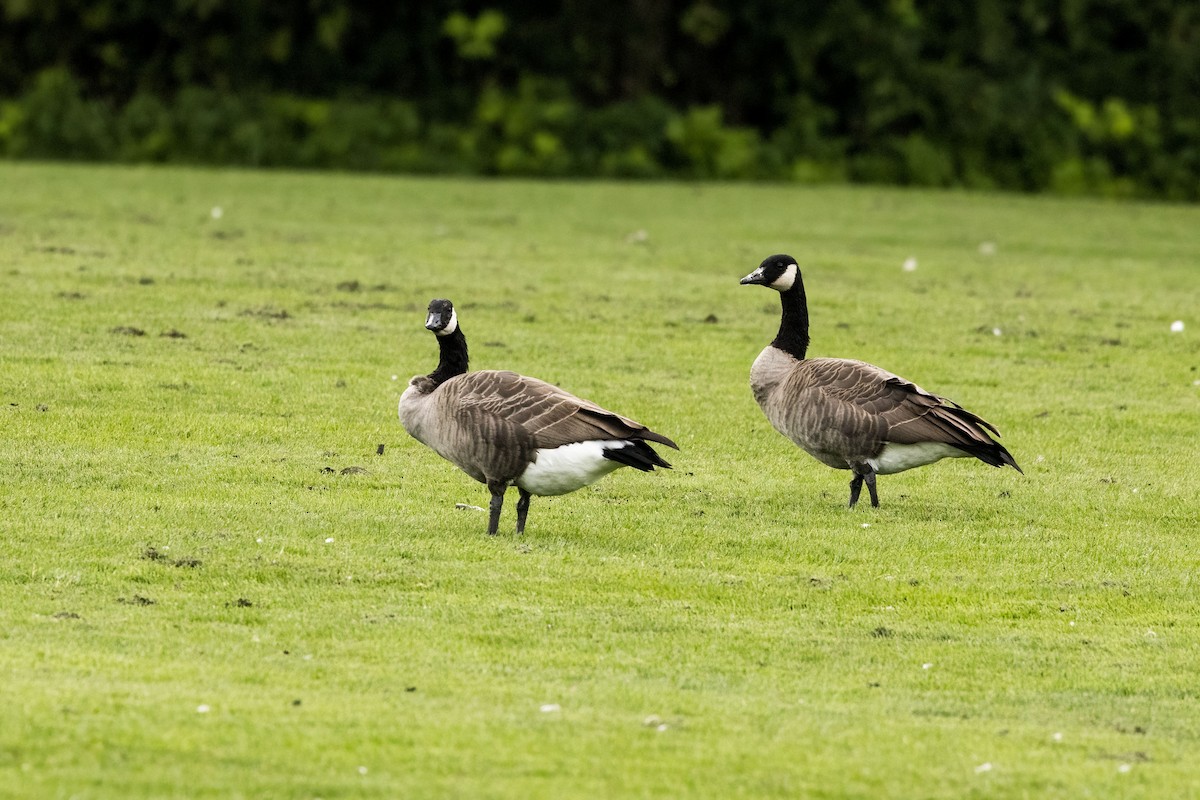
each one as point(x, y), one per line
point(653, 436)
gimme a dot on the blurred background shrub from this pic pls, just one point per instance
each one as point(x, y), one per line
point(1086, 96)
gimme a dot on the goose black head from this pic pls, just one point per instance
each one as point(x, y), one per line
point(777, 272)
point(441, 320)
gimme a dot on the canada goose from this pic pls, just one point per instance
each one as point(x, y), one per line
point(853, 415)
point(502, 428)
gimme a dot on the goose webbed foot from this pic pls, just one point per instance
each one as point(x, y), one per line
point(856, 484)
point(494, 506)
point(522, 509)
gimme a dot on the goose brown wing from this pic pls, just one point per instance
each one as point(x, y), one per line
point(909, 413)
point(553, 416)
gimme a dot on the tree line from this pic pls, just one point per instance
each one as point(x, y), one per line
point(1072, 96)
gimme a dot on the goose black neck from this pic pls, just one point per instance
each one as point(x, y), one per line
point(453, 357)
point(793, 327)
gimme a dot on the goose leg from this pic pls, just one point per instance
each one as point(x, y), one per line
point(855, 488)
point(497, 502)
point(522, 509)
point(870, 481)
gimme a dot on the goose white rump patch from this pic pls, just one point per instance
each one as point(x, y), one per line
point(559, 470)
point(899, 457)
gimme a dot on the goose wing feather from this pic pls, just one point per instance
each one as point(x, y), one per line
point(873, 402)
point(552, 416)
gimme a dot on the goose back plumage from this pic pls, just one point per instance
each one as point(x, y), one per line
point(845, 412)
point(492, 423)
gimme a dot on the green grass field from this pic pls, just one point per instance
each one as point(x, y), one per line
point(199, 597)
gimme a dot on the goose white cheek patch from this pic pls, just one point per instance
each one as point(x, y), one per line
point(451, 326)
point(785, 281)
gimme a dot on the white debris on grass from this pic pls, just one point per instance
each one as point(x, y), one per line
point(639, 236)
point(468, 507)
point(927, 665)
point(1177, 326)
point(866, 524)
point(1057, 736)
point(362, 770)
point(1123, 768)
point(329, 540)
point(987, 248)
point(984, 767)
point(997, 332)
point(910, 264)
point(550, 708)
point(217, 212)
point(202, 709)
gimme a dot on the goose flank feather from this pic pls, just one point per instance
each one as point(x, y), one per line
point(852, 415)
point(505, 429)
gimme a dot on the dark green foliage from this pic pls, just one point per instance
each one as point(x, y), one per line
point(54, 119)
point(1089, 96)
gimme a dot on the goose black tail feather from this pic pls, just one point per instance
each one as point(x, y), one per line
point(636, 454)
point(993, 454)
